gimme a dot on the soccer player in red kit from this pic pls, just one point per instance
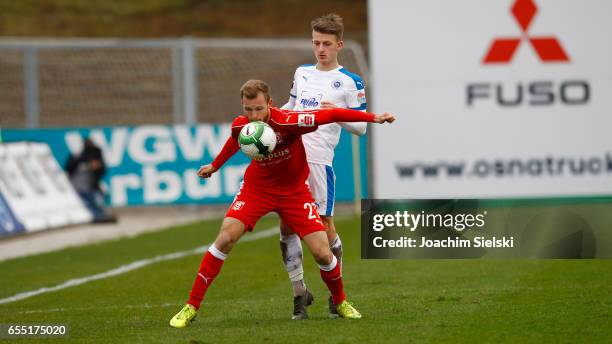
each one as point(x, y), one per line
point(276, 183)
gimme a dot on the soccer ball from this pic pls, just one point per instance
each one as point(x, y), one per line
point(257, 140)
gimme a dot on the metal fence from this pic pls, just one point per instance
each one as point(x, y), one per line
point(98, 82)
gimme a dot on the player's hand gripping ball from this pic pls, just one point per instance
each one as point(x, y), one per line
point(257, 140)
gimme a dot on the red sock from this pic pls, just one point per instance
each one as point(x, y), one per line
point(333, 279)
point(209, 269)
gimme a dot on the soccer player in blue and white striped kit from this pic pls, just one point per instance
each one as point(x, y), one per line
point(325, 84)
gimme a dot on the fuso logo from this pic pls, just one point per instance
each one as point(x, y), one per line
point(548, 48)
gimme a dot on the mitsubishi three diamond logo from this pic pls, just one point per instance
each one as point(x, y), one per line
point(547, 48)
point(558, 89)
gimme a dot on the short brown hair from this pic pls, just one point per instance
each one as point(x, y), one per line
point(329, 24)
point(252, 88)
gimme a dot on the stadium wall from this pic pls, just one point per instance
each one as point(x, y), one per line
point(494, 98)
point(157, 164)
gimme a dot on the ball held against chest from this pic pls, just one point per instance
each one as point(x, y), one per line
point(257, 140)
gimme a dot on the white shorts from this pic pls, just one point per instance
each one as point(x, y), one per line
point(322, 182)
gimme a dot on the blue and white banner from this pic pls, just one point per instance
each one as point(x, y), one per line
point(157, 164)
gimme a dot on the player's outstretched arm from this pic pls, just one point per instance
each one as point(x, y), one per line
point(325, 116)
point(356, 128)
point(385, 117)
point(206, 171)
point(308, 121)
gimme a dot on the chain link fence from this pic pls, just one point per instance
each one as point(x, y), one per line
point(97, 82)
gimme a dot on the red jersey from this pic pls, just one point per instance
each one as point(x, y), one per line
point(286, 167)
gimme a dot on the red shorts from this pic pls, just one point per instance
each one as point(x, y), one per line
point(295, 207)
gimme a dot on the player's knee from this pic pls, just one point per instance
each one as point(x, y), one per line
point(322, 255)
point(325, 259)
point(225, 241)
point(231, 231)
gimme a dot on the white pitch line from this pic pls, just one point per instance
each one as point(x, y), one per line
point(130, 267)
point(141, 306)
point(80, 309)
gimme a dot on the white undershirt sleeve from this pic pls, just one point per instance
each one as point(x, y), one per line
point(357, 128)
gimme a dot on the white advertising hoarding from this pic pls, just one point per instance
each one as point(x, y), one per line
point(37, 189)
point(493, 98)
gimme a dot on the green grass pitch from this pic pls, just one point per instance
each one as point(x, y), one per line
point(402, 301)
